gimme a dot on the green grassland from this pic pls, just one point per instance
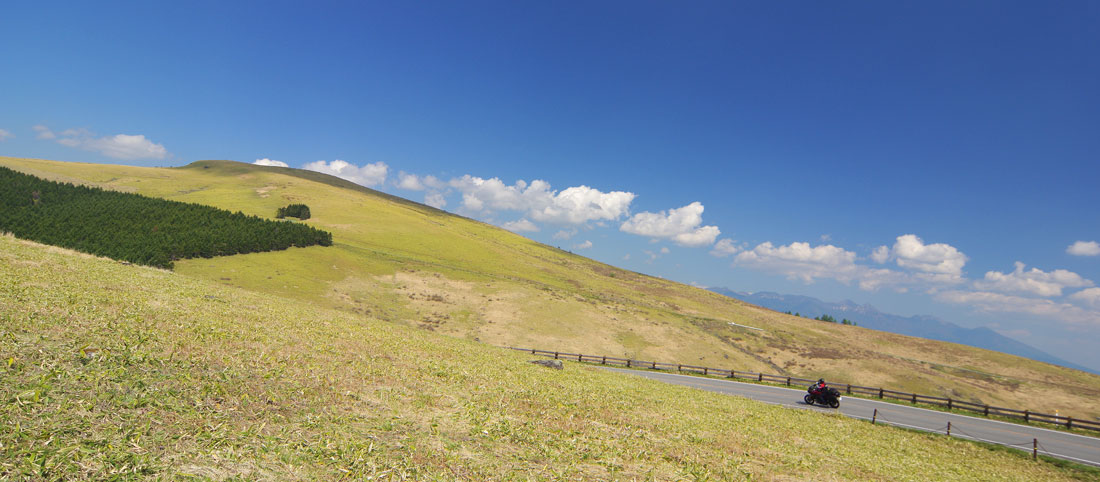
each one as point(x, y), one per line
point(124, 372)
point(403, 262)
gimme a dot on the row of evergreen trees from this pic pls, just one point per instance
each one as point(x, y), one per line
point(135, 228)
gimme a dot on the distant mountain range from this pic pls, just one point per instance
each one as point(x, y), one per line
point(921, 326)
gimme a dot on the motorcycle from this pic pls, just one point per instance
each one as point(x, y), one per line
point(829, 396)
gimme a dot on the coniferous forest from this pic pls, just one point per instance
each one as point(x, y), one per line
point(135, 228)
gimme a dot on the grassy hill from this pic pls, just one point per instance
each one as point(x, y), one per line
point(399, 261)
point(123, 372)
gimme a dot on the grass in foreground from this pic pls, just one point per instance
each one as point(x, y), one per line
point(113, 371)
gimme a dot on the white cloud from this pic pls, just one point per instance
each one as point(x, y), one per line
point(521, 226)
point(410, 182)
point(585, 245)
point(564, 234)
point(120, 146)
point(1001, 303)
point(723, 248)
point(574, 205)
point(435, 200)
point(1089, 296)
point(268, 162)
point(881, 255)
point(681, 225)
point(44, 132)
point(369, 175)
point(800, 261)
point(939, 262)
point(1034, 281)
point(665, 250)
point(5, 135)
point(1084, 248)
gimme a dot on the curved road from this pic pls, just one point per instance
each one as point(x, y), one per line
point(1064, 445)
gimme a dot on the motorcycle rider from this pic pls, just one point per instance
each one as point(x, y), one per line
point(819, 389)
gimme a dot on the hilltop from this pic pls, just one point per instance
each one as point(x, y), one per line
point(399, 261)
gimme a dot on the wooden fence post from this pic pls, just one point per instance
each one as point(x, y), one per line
point(759, 377)
point(849, 389)
point(628, 363)
point(987, 410)
point(603, 361)
point(704, 371)
point(1027, 416)
point(555, 355)
point(654, 364)
point(880, 393)
point(949, 404)
point(532, 351)
point(579, 357)
point(914, 399)
point(788, 381)
point(1069, 422)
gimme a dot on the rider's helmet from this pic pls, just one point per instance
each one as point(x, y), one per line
point(821, 382)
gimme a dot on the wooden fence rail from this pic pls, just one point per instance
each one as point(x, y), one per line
point(878, 392)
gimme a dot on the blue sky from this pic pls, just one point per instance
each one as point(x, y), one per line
point(907, 156)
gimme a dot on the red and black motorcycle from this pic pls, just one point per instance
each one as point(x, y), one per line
point(827, 396)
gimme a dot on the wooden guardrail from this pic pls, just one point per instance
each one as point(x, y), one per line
point(877, 392)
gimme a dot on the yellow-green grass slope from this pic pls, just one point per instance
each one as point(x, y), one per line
point(405, 262)
point(121, 372)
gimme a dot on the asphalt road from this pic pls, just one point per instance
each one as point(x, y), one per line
point(1064, 445)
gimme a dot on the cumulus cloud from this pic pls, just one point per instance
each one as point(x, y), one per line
point(412, 182)
point(1034, 281)
point(801, 261)
point(44, 132)
point(368, 175)
point(1089, 297)
point(5, 135)
point(268, 162)
point(881, 255)
point(409, 182)
point(521, 226)
point(937, 262)
point(1084, 248)
point(723, 248)
point(574, 205)
point(681, 225)
point(565, 234)
point(435, 200)
point(989, 302)
point(120, 146)
point(585, 245)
